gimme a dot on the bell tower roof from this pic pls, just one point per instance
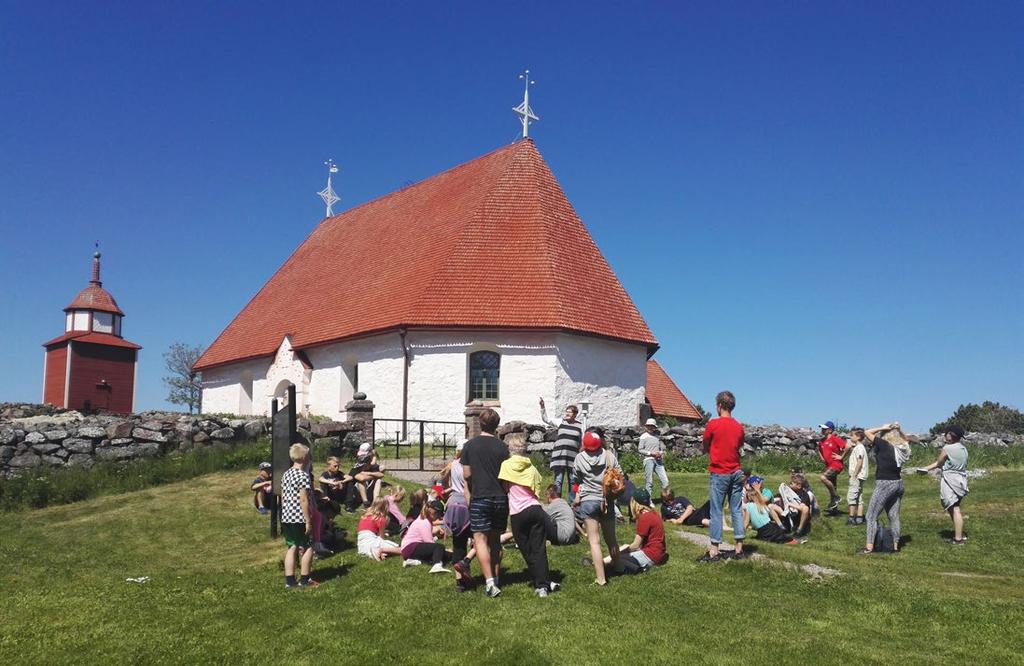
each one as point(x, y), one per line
point(95, 297)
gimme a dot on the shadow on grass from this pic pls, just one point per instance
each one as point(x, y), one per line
point(329, 573)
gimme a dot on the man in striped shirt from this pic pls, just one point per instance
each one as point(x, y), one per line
point(567, 445)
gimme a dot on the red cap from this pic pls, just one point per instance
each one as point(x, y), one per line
point(591, 442)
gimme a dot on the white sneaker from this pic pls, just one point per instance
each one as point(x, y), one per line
point(541, 592)
point(439, 568)
point(554, 587)
point(411, 563)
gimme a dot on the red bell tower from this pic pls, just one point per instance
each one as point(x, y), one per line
point(91, 366)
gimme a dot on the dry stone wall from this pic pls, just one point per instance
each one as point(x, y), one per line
point(36, 436)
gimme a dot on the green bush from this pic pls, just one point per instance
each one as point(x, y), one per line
point(72, 484)
point(987, 417)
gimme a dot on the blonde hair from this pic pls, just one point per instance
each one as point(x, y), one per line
point(516, 443)
point(636, 509)
point(896, 437)
point(379, 507)
point(757, 498)
point(298, 452)
point(398, 493)
point(333, 459)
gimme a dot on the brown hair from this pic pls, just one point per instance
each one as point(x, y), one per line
point(551, 491)
point(489, 420)
point(667, 495)
point(726, 399)
point(574, 409)
point(417, 501)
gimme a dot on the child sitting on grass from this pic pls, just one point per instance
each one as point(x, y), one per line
point(296, 518)
point(263, 489)
point(648, 546)
point(764, 517)
point(418, 543)
point(370, 540)
point(396, 519)
point(796, 504)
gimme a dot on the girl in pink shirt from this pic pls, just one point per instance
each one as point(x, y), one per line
point(418, 544)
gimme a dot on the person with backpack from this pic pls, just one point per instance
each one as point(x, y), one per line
point(891, 451)
point(952, 478)
point(597, 474)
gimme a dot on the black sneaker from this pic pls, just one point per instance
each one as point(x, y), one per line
point(462, 570)
point(852, 521)
point(733, 555)
point(707, 559)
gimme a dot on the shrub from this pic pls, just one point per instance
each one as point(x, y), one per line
point(987, 417)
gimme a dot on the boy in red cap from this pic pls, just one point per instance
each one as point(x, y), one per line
point(831, 449)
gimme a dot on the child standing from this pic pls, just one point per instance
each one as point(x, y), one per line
point(952, 479)
point(858, 468)
point(522, 481)
point(296, 518)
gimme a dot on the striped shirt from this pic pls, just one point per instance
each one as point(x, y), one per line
point(567, 442)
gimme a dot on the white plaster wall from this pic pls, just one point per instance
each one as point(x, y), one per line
point(439, 372)
point(561, 368)
point(610, 375)
point(380, 376)
point(222, 388)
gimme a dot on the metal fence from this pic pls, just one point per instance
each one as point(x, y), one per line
point(416, 444)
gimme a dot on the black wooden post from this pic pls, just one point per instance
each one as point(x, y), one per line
point(275, 473)
point(421, 445)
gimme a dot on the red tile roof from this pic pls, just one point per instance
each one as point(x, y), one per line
point(94, 297)
point(93, 338)
point(493, 243)
point(664, 395)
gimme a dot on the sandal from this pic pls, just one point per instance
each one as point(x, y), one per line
point(865, 551)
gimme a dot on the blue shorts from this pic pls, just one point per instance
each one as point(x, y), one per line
point(592, 509)
point(488, 513)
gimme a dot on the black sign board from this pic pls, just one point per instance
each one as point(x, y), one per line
point(282, 435)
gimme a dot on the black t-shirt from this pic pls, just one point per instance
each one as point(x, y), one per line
point(674, 509)
point(483, 455)
point(886, 468)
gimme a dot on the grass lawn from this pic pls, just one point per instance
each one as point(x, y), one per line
point(216, 593)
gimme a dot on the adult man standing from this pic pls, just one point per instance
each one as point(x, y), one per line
point(652, 450)
point(567, 445)
point(831, 448)
point(723, 437)
point(488, 504)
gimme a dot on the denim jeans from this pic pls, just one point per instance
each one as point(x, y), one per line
point(720, 487)
point(650, 467)
point(562, 477)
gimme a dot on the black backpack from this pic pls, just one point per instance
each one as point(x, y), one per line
point(884, 542)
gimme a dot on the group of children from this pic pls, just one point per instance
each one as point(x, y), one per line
point(491, 494)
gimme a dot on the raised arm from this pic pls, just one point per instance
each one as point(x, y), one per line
point(871, 433)
point(544, 415)
point(935, 465)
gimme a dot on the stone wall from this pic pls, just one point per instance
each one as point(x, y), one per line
point(34, 436)
point(685, 440)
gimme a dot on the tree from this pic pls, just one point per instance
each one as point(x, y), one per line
point(986, 417)
point(183, 382)
point(705, 415)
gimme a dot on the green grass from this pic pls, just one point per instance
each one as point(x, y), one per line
point(215, 594)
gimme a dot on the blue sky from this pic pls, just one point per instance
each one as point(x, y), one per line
point(816, 205)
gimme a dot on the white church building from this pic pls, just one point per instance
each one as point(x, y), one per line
point(480, 283)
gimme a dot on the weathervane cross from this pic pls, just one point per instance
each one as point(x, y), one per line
point(524, 111)
point(328, 194)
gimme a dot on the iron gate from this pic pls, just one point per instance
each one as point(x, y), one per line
point(415, 444)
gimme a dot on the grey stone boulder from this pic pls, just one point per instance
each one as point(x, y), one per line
point(223, 434)
point(536, 436)
point(53, 461)
point(254, 429)
point(81, 460)
point(35, 438)
point(45, 448)
point(551, 435)
point(74, 445)
point(148, 435)
point(92, 432)
point(236, 423)
point(200, 437)
point(121, 441)
point(25, 460)
point(56, 435)
point(7, 451)
point(115, 453)
point(147, 450)
point(7, 436)
point(153, 425)
point(540, 447)
point(120, 429)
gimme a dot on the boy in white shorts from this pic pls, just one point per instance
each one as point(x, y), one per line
point(858, 474)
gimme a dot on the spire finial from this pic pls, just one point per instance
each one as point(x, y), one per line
point(524, 111)
point(328, 194)
point(96, 267)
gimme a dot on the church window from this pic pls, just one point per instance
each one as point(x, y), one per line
point(103, 322)
point(484, 370)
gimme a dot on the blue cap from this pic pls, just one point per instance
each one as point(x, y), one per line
point(755, 479)
point(827, 424)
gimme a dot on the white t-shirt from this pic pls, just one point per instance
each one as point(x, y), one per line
point(859, 452)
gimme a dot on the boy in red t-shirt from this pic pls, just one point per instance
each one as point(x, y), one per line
point(831, 448)
point(723, 438)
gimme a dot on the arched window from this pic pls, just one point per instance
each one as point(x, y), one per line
point(484, 369)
